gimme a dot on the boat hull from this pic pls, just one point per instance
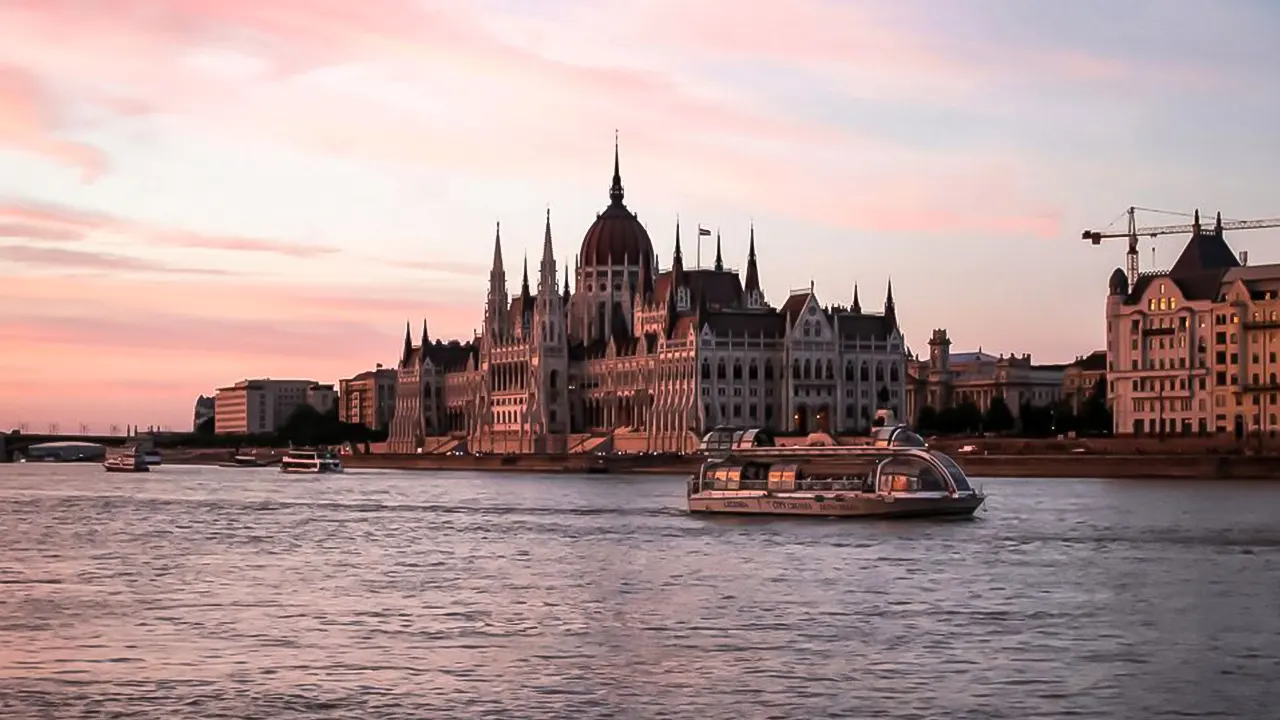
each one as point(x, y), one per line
point(848, 506)
point(111, 467)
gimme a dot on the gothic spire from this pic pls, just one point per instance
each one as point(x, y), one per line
point(497, 248)
point(752, 282)
point(719, 257)
point(615, 191)
point(547, 271)
point(425, 338)
point(524, 281)
point(677, 260)
point(857, 304)
point(890, 311)
point(408, 344)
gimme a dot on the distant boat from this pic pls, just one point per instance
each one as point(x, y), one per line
point(311, 461)
point(129, 461)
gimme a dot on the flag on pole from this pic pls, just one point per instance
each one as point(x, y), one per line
point(703, 232)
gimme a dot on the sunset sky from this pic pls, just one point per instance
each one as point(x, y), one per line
point(197, 191)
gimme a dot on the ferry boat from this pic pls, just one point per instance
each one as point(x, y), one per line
point(894, 475)
point(311, 461)
point(129, 461)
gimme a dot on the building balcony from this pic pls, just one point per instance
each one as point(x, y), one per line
point(1158, 331)
point(1264, 386)
point(1262, 324)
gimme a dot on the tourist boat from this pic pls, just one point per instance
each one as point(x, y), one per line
point(311, 461)
point(894, 475)
point(129, 461)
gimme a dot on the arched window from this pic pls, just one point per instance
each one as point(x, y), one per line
point(831, 374)
point(768, 369)
point(879, 373)
point(737, 370)
point(753, 372)
point(706, 370)
point(893, 373)
point(864, 373)
point(848, 372)
point(808, 369)
point(795, 369)
point(720, 370)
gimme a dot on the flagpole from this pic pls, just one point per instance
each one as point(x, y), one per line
point(698, 264)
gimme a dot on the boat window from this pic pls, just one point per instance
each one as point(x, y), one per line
point(958, 477)
point(911, 474)
point(782, 478)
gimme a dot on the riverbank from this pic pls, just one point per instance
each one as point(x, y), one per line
point(1118, 467)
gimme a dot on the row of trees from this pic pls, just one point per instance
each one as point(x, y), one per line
point(1057, 418)
point(305, 426)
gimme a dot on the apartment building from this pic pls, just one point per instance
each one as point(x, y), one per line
point(369, 398)
point(263, 405)
point(1194, 350)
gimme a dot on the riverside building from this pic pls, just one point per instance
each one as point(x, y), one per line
point(635, 358)
point(1193, 350)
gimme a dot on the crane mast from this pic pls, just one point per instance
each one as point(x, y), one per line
point(1133, 233)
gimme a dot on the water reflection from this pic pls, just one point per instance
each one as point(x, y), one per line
point(209, 592)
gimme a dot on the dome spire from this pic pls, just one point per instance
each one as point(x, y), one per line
point(615, 191)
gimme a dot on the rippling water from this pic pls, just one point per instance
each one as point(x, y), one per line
point(221, 593)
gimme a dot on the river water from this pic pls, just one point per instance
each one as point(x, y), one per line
point(197, 592)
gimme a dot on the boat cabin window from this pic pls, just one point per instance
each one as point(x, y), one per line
point(725, 439)
point(958, 478)
point(909, 475)
point(897, 436)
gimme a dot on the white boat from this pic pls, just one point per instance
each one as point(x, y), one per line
point(310, 461)
point(129, 461)
point(895, 475)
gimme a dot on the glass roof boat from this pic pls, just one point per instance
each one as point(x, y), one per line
point(895, 474)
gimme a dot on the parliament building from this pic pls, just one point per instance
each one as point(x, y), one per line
point(638, 359)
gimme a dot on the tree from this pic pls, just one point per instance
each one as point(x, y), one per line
point(1036, 420)
point(1095, 416)
point(998, 417)
point(927, 419)
point(968, 417)
point(206, 427)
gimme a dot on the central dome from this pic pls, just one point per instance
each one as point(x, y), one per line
point(616, 237)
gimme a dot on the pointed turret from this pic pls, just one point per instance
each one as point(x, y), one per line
point(524, 280)
point(1195, 224)
point(1217, 225)
point(857, 304)
point(408, 345)
point(547, 271)
point(567, 294)
point(615, 190)
point(890, 311)
point(752, 283)
point(426, 339)
point(495, 313)
point(677, 262)
point(719, 256)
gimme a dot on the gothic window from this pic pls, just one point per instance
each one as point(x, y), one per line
point(893, 373)
point(720, 370)
point(554, 379)
point(737, 370)
point(848, 372)
point(753, 372)
point(808, 369)
point(768, 369)
point(864, 374)
point(795, 369)
point(831, 375)
point(706, 370)
point(879, 373)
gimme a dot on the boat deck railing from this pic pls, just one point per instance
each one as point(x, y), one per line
point(819, 451)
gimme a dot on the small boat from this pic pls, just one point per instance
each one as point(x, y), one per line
point(152, 456)
point(311, 461)
point(895, 475)
point(244, 460)
point(129, 461)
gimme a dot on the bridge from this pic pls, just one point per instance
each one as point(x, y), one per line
point(15, 443)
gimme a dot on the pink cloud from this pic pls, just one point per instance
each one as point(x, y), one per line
point(366, 79)
point(27, 124)
point(36, 231)
point(66, 259)
point(56, 222)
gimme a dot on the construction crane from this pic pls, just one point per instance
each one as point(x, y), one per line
point(1134, 232)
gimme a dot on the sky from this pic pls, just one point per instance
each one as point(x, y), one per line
point(193, 192)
